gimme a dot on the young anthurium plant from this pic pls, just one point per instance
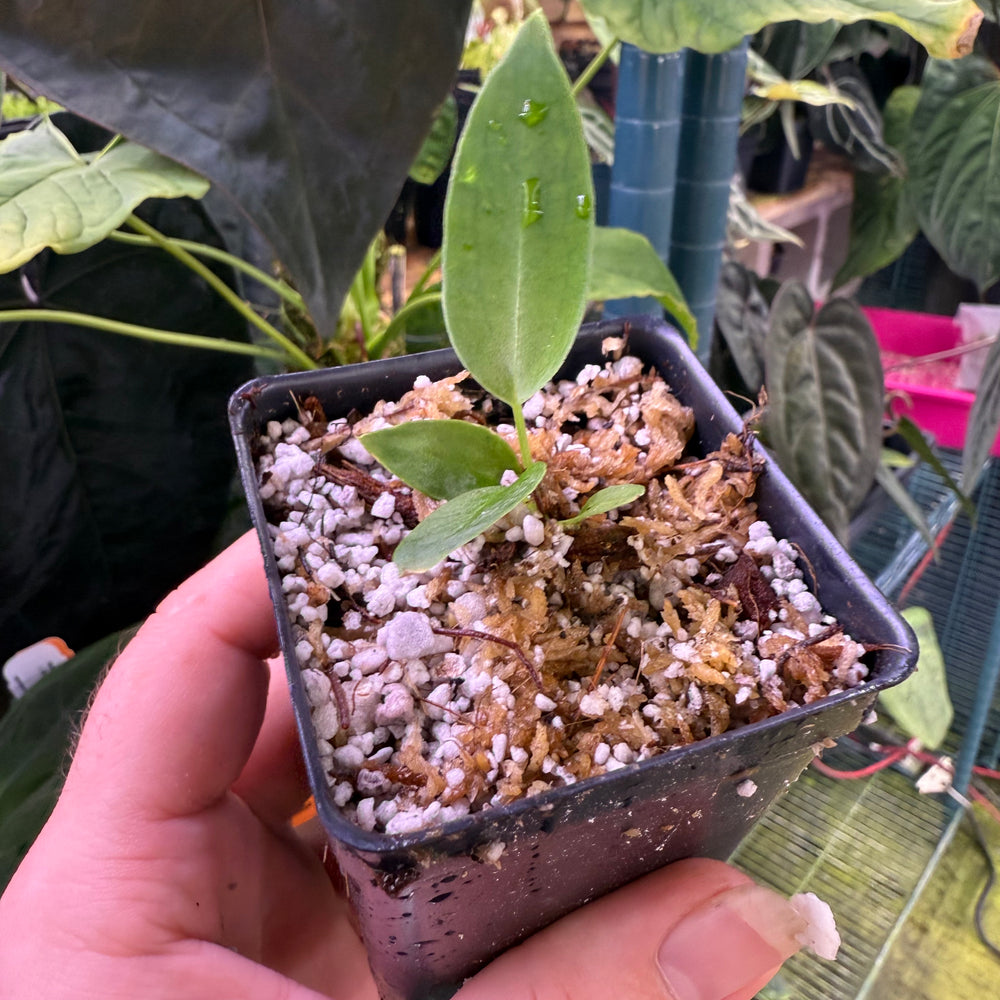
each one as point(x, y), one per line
point(518, 239)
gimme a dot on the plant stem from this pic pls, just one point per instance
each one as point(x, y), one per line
point(522, 437)
point(424, 279)
point(593, 66)
point(141, 332)
point(392, 327)
point(192, 262)
point(277, 286)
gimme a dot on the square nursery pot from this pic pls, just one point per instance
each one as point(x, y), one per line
point(435, 905)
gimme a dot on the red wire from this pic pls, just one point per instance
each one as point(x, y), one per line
point(887, 761)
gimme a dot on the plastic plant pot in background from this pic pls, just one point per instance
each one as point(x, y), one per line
point(435, 905)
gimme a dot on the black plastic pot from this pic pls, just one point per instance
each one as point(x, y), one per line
point(432, 907)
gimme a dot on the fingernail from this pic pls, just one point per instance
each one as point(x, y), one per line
point(729, 942)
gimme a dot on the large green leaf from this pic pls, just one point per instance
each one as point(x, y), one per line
point(518, 223)
point(825, 401)
point(307, 115)
point(35, 739)
point(624, 264)
point(946, 28)
point(921, 705)
point(442, 458)
point(116, 453)
point(883, 223)
point(953, 184)
point(460, 520)
point(51, 196)
point(942, 81)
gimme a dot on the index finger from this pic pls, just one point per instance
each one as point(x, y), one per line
point(175, 721)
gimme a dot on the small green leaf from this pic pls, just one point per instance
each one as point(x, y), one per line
point(920, 705)
point(624, 264)
point(518, 222)
point(899, 495)
point(604, 500)
point(51, 196)
point(442, 458)
point(825, 401)
point(741, 314)
point(460, 520)
point(437, 147)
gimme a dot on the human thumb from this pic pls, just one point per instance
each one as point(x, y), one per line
point(697, 930)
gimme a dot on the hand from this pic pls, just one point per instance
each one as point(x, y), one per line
point(169, 868)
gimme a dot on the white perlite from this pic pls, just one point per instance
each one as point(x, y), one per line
point(424, 687)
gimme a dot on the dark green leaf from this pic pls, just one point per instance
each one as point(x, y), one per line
point(624, 264)
point(51, 196)
point(795, 48)
point(35, 739)
point(518, 223)
point(918, 442)
point(307, 115)
point(438, 144)
point(460, 520)
point(953, 185)
point(943, 80)
point(920, 705)
point(442, 458)
point(825, 389)
point(604, 500)
point(898, 494)
point(983, 420)
point(945, 27)
point(883, 223)
point(741, 314)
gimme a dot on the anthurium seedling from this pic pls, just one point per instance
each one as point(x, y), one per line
point(518, 239)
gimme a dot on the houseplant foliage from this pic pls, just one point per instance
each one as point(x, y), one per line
point(317, 84)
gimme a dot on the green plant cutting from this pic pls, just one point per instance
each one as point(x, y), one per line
point(520, 192)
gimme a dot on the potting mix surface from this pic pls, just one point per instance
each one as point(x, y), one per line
point(539, 654)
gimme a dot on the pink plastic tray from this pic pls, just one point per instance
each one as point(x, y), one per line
point(937, 408)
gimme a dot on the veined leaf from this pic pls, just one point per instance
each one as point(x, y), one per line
point(942, 81)
point(824, 419)
point(604, 500)
point(460, 520)
point(952, 184)
point(438, 144)
point(883, 223)
point(741, 314)
point(442, 458)
point(946, 28)
point(52, 196)
point(520, 193)
point(624, 264)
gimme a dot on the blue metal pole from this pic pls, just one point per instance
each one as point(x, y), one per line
point(647, 134)
point(713, 98)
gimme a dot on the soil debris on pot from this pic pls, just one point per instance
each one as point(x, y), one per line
point(539, 654)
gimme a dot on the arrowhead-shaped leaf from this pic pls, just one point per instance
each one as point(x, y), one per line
point(825, 401)
point(442, 458)
point(307, 115)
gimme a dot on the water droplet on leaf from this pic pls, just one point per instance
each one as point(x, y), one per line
point(584, 208)
point(469, 174)
point(532, 201)
point(533, 112)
